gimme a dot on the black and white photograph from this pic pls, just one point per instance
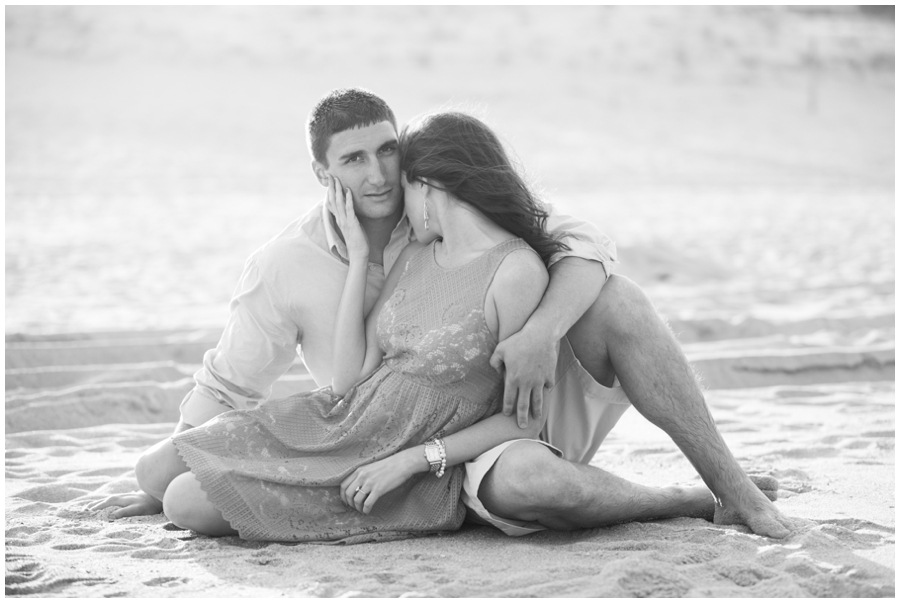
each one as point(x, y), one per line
point(443, 301)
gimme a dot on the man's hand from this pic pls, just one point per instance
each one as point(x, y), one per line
point(529, 358)
point(132, 503)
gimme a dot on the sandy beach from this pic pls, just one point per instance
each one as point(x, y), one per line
point(750, 195)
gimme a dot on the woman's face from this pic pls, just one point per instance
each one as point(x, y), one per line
point(414, 200)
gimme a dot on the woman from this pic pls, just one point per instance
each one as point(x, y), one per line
point(354, 462)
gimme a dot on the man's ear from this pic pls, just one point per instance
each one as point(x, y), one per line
point(321, 172)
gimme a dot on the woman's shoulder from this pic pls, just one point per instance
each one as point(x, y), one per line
point(520, 264)
point(516, 290)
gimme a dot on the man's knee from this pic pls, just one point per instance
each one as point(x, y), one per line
point(526, 482)
point(623, 306)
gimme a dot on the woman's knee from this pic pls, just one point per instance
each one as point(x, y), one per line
point(186, 505)
point(157, 467)
point(177, 502)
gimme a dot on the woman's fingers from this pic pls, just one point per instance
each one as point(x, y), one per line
point(370, 501)
point(347, 487)
point(359, 499)
point(329, 197)
point(355, 493)
point(109, 501)
point(351, 488)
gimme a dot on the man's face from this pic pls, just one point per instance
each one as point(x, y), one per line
point(367, 161)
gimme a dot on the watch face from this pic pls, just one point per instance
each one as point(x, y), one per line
point(432, 455)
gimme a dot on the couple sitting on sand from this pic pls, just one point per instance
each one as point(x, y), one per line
point(432, 290)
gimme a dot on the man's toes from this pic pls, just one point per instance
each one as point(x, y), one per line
point(765, 482)
point(769, 526)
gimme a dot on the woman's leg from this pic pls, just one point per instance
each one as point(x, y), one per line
point(159, 465)
point(186, 505)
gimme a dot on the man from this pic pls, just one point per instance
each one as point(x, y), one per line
point(590, 331)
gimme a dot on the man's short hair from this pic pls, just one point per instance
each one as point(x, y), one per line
point(340, 110)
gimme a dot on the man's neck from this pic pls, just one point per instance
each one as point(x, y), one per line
point(379, 233)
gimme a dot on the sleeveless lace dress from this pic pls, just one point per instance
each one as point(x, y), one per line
point(274, 471)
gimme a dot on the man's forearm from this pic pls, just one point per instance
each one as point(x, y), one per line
point(574, 285)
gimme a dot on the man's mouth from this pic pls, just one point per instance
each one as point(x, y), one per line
point(379, 196)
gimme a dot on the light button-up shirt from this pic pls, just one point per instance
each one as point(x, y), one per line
point(288, 296)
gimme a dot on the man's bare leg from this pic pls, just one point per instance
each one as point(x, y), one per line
point(530, 483)
point(622, 334)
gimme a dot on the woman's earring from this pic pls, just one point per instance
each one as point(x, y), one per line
point(425, 206)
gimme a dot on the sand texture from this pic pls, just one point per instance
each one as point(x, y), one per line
point(831, 445)
point(741, 157)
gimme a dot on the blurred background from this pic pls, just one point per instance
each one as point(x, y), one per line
point(741, 157)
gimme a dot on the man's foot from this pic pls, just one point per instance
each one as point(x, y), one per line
point(753, 508)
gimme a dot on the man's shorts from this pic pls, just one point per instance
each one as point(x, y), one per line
point(580, 413)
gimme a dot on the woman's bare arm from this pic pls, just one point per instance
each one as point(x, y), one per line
point(515, 292)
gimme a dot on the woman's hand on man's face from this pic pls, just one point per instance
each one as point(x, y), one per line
point(340, 203)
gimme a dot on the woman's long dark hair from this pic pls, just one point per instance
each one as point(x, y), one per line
point(460, 155)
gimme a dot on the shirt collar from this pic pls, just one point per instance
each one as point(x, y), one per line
point(336, 243)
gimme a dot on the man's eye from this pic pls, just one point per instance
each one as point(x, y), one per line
point(388, 150)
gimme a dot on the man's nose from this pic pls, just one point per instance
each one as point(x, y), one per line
point(376, 173)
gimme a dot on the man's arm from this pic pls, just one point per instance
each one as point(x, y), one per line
point(530, 356)
point(258, 345)
point(576, 279)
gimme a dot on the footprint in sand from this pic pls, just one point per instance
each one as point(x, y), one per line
point(793, 481)
point(123, 534)
point(857, 532)
point(694, 557)
point(51, 494)
point(160, 553)
point(266, 557)
point(166, 581)
point(107, 471)
point(383, 577)
point(745, 575)
point(25, 575)
point(23, 474)
point(80, 530)
point(649, 583)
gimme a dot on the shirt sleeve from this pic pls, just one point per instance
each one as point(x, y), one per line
point(584, 240)
point(257, 347)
